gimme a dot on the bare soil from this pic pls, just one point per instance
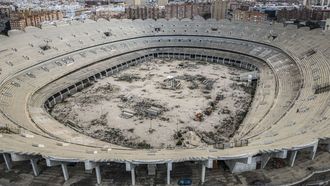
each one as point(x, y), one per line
point(154, 105)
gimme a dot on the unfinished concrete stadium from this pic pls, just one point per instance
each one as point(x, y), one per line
point(156, 94)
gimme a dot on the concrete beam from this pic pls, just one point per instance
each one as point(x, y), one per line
point(247, 160)
point(128, 166)
point(7, 161)
point(90, 165)
point(51, 163)
point(19, 157)
point(209, 163)
point(282, 154)
point(293, 157)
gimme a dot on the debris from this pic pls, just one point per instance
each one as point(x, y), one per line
point(128, 77)
point(190, 139)
point(102, 121)
point(170, 83)
point(127, 114)
point(199, 116)
point(153, 111)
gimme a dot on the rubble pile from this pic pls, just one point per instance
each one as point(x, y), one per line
point(188, 65)
point(116, 136)
point(191, 137)
point(141, 107)
point(127, 77)
point(151, 96)
point(242, 86)
point(197, 81)
point(106, 89)
point(103, 121)
point(171, 83)
point(95, 95)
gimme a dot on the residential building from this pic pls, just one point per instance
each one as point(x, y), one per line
point(187, 10)
point(21, 19)
point(219, 9)
point(252, 16)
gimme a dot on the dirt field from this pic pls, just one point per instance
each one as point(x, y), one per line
point(160, 104)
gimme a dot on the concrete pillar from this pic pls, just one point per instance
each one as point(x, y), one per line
point(65, 171)
point(7, 161)
point(293, 157)
point(133, 175)
point(98, 174)
point(35, 166)
point(328, 147)
point(264, 160)
point(131, 167)
point(89, 166)
point(314, 149)
point(206, 164)
point(169, 169)
point(203, 173)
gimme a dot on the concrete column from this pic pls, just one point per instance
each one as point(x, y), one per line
point(98, 174)
point(203, 173)
point(133, 175)
point(89, 166)
point(65, 171)
point(293, 157)
point(61, 96)
point(264, 160)
point(7, 161)
point(169, 169)
point(131, 167)
point(35, 167)
point(328, 147)
point(314, 149)
point(54, 100)
point(206, 164)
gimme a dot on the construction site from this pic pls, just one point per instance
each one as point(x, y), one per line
point(161, 103)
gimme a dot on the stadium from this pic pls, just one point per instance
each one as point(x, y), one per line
point(288, 116)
